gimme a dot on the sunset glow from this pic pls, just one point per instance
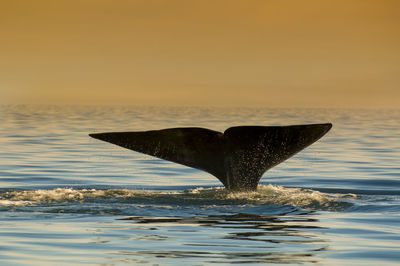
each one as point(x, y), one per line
point(206, 53)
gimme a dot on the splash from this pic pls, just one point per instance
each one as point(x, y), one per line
point(278, 195)
point(265, 195)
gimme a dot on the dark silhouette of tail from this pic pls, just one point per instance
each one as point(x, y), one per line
point(238, 157)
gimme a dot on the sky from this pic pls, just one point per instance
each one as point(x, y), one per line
point(249, 53)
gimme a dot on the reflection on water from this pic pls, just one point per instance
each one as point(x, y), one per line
point(60, 238)
point(247, 238)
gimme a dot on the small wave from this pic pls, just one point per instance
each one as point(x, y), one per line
point(270, 195)
point(278, 195)
point(64, 195)
point(15, 203)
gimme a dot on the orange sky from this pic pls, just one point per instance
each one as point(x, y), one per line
point(272, 53)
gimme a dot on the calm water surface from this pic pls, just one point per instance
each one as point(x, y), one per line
point(68, 199)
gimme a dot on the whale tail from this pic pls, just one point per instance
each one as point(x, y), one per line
point(238, 157)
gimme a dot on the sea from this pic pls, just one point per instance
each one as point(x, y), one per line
point(68, 199)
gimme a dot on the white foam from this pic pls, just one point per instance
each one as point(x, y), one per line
point(276, 195)
point(15, 203)
point(69, 194)
point(45, 196)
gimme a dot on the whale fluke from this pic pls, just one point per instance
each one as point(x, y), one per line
point(238, 157)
